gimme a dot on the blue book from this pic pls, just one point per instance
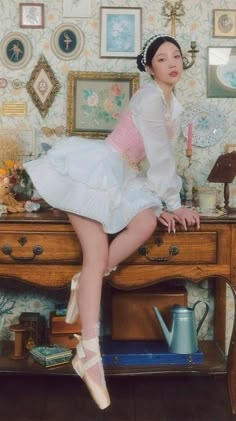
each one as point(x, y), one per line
point(127, 353)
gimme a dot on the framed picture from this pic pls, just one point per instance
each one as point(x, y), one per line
point(67, 41)
point(224, 23)
point(221, 70)
point(42, 86)
point(31, 15)
point(77, 8)
point(120, 31)
point(16, 50)
point(95, 101)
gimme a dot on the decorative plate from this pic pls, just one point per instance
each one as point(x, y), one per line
point(67, 41)
point(208, 124)
point(3, 82)
point(16, 50)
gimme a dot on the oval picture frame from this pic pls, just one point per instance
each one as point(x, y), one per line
point(16, 50)
point(67, 41)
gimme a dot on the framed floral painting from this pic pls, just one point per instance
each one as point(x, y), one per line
point(96, 100)
point(120, 31)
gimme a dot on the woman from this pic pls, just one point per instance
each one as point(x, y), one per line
point(103, 189)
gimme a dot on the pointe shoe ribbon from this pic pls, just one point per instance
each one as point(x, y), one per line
point(98, 392)
point(72, 312)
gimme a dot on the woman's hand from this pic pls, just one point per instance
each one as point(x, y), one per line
point(169, 220)
point(187, 217)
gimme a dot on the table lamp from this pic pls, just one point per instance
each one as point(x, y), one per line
point(224, 171)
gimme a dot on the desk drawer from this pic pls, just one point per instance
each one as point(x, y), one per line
point(21, 247)
point(182, 247)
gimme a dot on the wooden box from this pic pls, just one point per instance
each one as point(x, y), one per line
point(58, 325)
point(67, 340)
point(133, 317)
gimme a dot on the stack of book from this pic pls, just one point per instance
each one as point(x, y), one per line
point(51, 356)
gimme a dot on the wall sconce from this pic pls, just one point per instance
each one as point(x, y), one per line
point(193, 52)
point(173, 12)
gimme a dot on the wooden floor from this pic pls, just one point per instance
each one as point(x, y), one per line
point(65, 398)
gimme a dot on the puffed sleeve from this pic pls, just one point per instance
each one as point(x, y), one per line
point(148, 111)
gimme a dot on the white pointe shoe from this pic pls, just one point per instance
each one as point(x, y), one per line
point(110, 270)
point(98, 392)
point(72, 312)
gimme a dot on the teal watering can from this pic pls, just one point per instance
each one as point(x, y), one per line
point(182, 338)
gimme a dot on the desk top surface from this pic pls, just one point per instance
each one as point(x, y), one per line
point(50, 215)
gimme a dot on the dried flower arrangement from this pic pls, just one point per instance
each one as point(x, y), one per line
point(10, 149)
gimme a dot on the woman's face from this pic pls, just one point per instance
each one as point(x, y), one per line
point(167, 65)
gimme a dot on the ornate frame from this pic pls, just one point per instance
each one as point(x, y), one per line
point(96, 100)
point(67, 41)
point(43, 86)
point(20, 47)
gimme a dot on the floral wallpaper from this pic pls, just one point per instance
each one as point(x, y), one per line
point(192, 90)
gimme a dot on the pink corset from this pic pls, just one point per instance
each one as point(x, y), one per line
point(126, 139)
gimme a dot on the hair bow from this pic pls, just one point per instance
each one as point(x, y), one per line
point(58, 131)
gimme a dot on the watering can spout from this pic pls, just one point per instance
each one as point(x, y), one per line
point(164, 328)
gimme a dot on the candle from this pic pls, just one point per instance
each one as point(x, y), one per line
point(190, 136)
point(193, 37)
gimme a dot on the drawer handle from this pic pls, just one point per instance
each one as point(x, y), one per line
point(37, 250)
point(173, 251)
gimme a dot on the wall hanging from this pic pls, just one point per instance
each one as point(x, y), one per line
point(43, 86)
point(31, 15)
point(16, 50)
point(224, 23)
point(221, 72)
point(77, 8)
point(207, 124)
point(96, 100)
point(67, 41)
point(120, 32)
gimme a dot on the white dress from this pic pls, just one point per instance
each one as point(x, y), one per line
point(93, 178)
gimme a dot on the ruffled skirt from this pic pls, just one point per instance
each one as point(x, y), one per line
point(88, 178)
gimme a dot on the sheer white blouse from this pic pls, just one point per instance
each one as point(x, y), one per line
point(159, 126)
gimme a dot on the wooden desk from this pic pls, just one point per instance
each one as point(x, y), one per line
point(41, 249)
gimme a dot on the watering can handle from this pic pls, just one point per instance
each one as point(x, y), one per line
point(204, 314)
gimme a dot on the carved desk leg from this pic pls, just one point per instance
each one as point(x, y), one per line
point(231, 364)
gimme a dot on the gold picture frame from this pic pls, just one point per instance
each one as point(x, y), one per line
point(224, 23)
point(95, 101)
point(43, 86)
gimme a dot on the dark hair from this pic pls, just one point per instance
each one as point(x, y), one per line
point(150, 48)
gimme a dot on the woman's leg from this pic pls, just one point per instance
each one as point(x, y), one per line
point(94, 245)
point(87, 363)
point(128, 241)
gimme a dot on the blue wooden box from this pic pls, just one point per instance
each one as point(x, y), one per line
point(127, 353)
